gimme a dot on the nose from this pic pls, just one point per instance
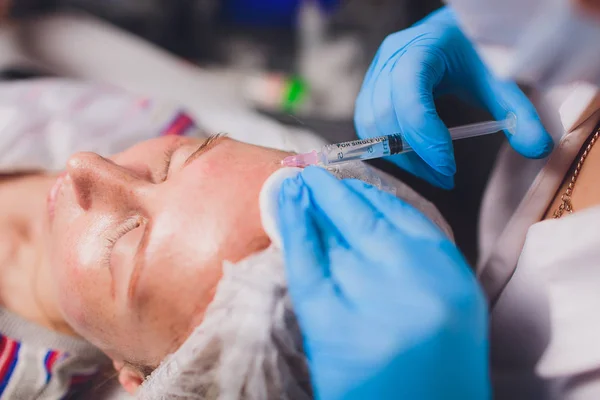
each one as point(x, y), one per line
point(99, 182)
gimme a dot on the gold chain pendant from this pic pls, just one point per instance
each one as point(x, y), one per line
point(566, 205)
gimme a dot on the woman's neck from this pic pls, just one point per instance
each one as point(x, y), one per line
point(25, 288)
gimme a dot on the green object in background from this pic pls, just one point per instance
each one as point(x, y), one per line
point(295, 92)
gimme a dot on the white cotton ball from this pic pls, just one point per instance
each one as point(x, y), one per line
point(268, 201)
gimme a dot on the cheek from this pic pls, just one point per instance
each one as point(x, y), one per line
point(182, 267)
point(172, 296)
point(69, 282)
point(218, 209)
point(83, 287)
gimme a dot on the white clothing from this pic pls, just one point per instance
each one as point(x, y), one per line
point(538, 350)
point(545, 42)
point(543, 278)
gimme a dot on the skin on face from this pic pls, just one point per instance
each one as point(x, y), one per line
point(136, 252)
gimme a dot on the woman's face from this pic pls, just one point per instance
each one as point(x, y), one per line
point(137, 241)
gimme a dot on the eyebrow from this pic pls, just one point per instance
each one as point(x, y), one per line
point(208, 143)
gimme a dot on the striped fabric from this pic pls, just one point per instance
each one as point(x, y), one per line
point(9, 357)
point(179, 125)
point(27, 372)
point(49, 360)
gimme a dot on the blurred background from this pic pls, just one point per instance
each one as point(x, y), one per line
point(302, 64)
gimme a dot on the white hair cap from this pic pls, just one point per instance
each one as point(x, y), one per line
point(247, 347)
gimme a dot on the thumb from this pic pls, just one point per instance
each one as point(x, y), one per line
point(530, 138)
point(499, 97)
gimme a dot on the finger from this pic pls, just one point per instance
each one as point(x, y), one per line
point(361, 226)
point(409, 73)
point(376, 116)
point(415, 109)
point(305, 259)
point(347, 264)
point(330, 236)
point(530, 138)
point(346, 273)
point(401, 214)
point(392, 46)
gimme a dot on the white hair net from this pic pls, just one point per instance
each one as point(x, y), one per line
point(249, 346)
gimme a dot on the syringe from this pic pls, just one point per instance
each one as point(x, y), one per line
point(382, 146)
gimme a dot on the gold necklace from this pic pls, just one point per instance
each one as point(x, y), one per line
point(566, 204)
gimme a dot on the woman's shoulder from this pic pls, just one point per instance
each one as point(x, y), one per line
point(34, 361)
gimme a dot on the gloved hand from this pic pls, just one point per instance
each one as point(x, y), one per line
point(432, 58)
point(388, 307)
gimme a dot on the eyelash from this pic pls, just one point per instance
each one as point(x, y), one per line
point(167, 162)
point(113, 237)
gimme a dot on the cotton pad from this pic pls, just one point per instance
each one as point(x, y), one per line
point(268, 201)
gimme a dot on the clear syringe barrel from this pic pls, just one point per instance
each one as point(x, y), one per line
point(484, 128)
point(363, 149)
point(382, 146)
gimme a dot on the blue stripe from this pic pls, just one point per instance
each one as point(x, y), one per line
point(11, 368)
point(48, 372)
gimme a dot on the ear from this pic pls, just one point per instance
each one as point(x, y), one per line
point(129, 378)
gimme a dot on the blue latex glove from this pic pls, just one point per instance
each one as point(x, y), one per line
point(431, 58)
point(388, 307)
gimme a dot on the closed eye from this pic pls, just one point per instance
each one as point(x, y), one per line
point(113, 236)
point(168, 156)
point(167, 160)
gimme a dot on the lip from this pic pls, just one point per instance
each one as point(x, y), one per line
point(53, 194)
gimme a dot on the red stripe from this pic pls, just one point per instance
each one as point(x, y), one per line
point(51, 360)
point(11, 348)
point(181, 123)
